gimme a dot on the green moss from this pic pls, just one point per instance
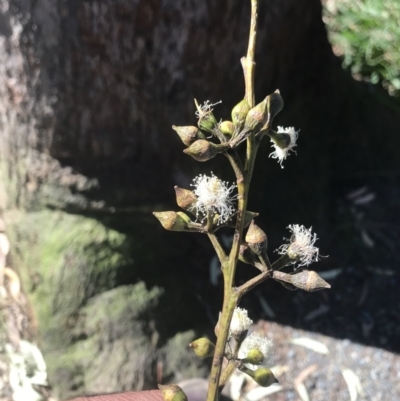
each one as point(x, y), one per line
point(64, 260)
point(97, 335)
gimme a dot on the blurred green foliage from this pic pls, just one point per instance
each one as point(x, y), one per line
point(366, 34)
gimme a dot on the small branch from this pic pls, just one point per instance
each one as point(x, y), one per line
point(222, 256)
point(252, 283)
point(236, 163)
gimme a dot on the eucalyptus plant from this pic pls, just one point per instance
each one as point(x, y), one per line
point(213, 203)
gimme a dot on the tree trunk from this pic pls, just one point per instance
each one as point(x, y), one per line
point(88, 93)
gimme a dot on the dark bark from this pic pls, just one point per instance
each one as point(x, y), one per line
point(89, 91)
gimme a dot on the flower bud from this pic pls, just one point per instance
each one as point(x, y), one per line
point(203, 347)
point(306, 280)
point(202, 150)
point(239, 113)
point(255, 357)
point(172, 392)
point(264, 377)
point(188, 134)
point(177, 221)
point(256, 117)
point(185, 198)
point(226, 127)
point(256, 239)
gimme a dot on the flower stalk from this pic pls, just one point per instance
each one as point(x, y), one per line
point(214, 205)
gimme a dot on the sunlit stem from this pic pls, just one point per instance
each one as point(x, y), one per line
point(243, 178)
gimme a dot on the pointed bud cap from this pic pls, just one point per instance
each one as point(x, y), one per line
point(203, 347)
point(239, 113)
point(256, 239)
point(309, 280)
point(172, 392)
point(264, 377)
point(177, 221)
point(185, 198)
point(188, 134)
point(203, 150)
point(306, 280)
point(226, 127)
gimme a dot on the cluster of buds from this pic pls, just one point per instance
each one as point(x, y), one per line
point(245, 121)
point(252, 352)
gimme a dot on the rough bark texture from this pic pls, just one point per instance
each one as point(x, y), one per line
point(88, 93)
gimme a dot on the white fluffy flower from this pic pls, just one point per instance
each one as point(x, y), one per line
point(281, 153)
point(256, 342)
point(240, 322)
point(301, 247)
point(213, 196)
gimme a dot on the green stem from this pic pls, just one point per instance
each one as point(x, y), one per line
point(231, 295)
point(283, 261)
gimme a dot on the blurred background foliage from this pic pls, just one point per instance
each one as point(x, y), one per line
point(366, 35)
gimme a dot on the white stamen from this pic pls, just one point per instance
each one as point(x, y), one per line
point(261, 343)
point(213, 196)
point(240, 322)
point(301, 247)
